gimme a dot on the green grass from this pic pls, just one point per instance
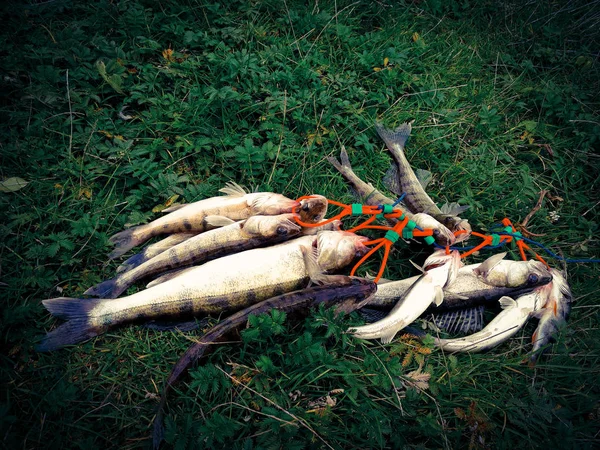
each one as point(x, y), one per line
point(505, 102)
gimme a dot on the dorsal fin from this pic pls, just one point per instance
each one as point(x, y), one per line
point(233, 189)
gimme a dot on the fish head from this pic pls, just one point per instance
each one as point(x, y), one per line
point(561, 294)
point(451, 263)
point(441, 234)
point(537, 273)
point(464, 227)
point(282, 225)
point(312, 209)
point(337, 249)
point(271, 204)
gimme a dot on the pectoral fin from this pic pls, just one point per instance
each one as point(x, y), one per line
point(489, 264)
point(439, 296)
point(218, 221)
point(388, 336)
point(507, 302)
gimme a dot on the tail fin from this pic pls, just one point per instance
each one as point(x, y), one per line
point(132, 262)
point(124, 241)
point(397, 137)
point(76, 329)
point(107, 289)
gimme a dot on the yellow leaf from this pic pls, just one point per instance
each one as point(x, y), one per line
point(171, 200)
point(415, 36)
point(168, 54)
point(376, 69)
point(163, 206)
point(386, 61)
point(85, 192)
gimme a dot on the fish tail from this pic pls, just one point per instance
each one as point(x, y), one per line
point(132, 262)
point(396, 137)
point(77, 328)
point(107, 289)
point(127, 239)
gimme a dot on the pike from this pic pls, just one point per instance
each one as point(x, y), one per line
point(230, 237)
point(371, 196)
point(221, 285)
point(416, 198)
point(191, 218)
point(439, 270)
point(346, 295)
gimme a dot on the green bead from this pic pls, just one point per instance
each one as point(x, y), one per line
point(429, 240)
point(357, 209)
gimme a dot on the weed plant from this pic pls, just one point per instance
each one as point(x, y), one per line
point(111, 109)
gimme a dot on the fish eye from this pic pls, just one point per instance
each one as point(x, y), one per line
point(436, 232)
point(282, 231)
point(305, 207)
point(532, 278)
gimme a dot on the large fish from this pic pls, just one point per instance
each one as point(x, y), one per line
point(346, 295)
point(416, 198)
point(440, 270)
point(371, 196)
point(225, 284)
point(235, 205)
point(506, 324)
point(474, 286)
point(553, 316)
point(171, 241)
point(256, 231)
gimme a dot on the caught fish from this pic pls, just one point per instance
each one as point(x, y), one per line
point(472, 288)
point(553, 316)
point(225, 284)
point(506, 324)
point(153, 250)
point(416, 198)
point(497, 271)
point(161, 246)
point(235, 205)
point(371, 196)
point(230, 237)
point(440, 270)
point(346, 295)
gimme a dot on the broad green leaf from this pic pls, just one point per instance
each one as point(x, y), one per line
point(13, 184)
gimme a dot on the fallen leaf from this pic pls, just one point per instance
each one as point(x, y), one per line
point(13, 184)
point(419, 380)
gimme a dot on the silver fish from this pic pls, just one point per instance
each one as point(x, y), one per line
point(416, 198)
point(371, 196)
point(225, 284)
point(497, 271)
point(506, 324)
point(439, 270)
point(553, 316)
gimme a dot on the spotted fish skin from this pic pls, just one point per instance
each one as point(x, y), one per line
point(236, 205)
point(225, 284)
point(372, 196)
point(236, 237)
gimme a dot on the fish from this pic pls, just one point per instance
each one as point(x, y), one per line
point(474, 285)
point(191, 218)
point(222, 285)
point(153, 250)
point(346, 295)
point(553, 316)
point(506, 324)
point(371, 196)
point(161, 246)
point(439, 270)
point(497, 271)
point(230, 237)
point(464, 298)
point(416, 198)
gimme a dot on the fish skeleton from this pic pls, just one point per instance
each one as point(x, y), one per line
point(346, 295)
point(225, 284)
point(256, 231)
point(371, 196)
point(506, 324)
point(191, 218)
point(416, 198)
point(439, 270)
point(554, 314)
